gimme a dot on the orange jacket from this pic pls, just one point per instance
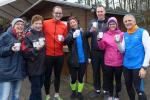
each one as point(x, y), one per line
point(52, 29)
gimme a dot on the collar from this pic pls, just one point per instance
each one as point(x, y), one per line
point(55, 21)
point(133, 29)
point(102, 21)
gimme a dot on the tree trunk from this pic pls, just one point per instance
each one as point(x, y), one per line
point(114, 4)
point(107, 3)
point(120, 4)
point(125, 5)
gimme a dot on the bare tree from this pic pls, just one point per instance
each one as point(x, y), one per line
point(120, 4)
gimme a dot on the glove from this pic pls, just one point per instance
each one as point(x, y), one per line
point(100, 35)
point(76, 33)
point(117, 38)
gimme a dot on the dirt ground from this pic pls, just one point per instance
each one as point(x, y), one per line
point(65, 90)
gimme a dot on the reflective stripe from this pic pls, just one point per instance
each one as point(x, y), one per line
point(142, 85)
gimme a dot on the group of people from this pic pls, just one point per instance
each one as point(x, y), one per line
point(39, 50)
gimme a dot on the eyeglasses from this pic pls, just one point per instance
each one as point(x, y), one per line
point(112, 24)
point(99, 11)
point(57, 13)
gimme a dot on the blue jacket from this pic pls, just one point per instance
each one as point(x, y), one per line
point(134, 50)
point(11, 63)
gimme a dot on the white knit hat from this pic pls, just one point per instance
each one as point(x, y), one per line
point(16, 20)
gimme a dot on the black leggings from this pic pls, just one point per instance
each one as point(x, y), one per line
point(132, 79)
point(36, 86)
point(77, 73)
point(97, 65)
point(111, 73)
point(56, 63)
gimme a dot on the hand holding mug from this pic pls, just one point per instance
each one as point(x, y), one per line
point(94, 27)
point(37, 45)
point(100, 35)
point(42, 41)
point(60, 38)
point(76, 33)
point(16, 47)
point(117, 38)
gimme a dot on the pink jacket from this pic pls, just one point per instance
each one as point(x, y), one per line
point(112, 55)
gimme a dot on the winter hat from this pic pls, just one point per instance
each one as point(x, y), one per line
point(112, 19)
point(16, 20)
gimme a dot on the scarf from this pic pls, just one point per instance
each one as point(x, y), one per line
point(133, 29)
point(18, 36)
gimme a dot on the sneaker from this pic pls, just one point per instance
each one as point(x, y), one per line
point(94, 94)
point(47, 97)
point(73, 95)
point(110, 98)
point(80, 96)
point(106, 95)
point(58, 98)
point(116, 98)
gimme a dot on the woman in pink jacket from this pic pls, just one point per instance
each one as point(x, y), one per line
point(113, 58)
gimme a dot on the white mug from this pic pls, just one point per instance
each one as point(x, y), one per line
point(42, 41)
point(77, 31)
point(100, 35)
point(94, 24)
point(35, 44)
point(60, 37)
point(117, 38)
point(17, 46)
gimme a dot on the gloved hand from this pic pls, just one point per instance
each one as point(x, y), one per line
point(76, 33)
point(100, 35)
point(117, 38)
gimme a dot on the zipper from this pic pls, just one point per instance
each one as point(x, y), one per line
point(102, 26)
point(54, 38)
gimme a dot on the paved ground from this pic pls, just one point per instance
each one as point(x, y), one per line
point(65, 90)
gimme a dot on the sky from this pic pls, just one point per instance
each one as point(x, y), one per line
point(3, 2)
point(71, 0)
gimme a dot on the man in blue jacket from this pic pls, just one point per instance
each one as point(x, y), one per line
point(135, 47)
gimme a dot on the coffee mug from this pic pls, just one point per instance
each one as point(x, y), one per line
point(42, 41)
point(94, 24)
point(117, 38)
point(35, 44)
point(17, 46)
point(100, 35)
point(60, 37)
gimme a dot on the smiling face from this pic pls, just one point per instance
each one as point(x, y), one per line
point(57, 13)
point(19, 27)
point(129, 21)
point(73, 23)
point(112, 26)
point(37, 25)
point(100, 12)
